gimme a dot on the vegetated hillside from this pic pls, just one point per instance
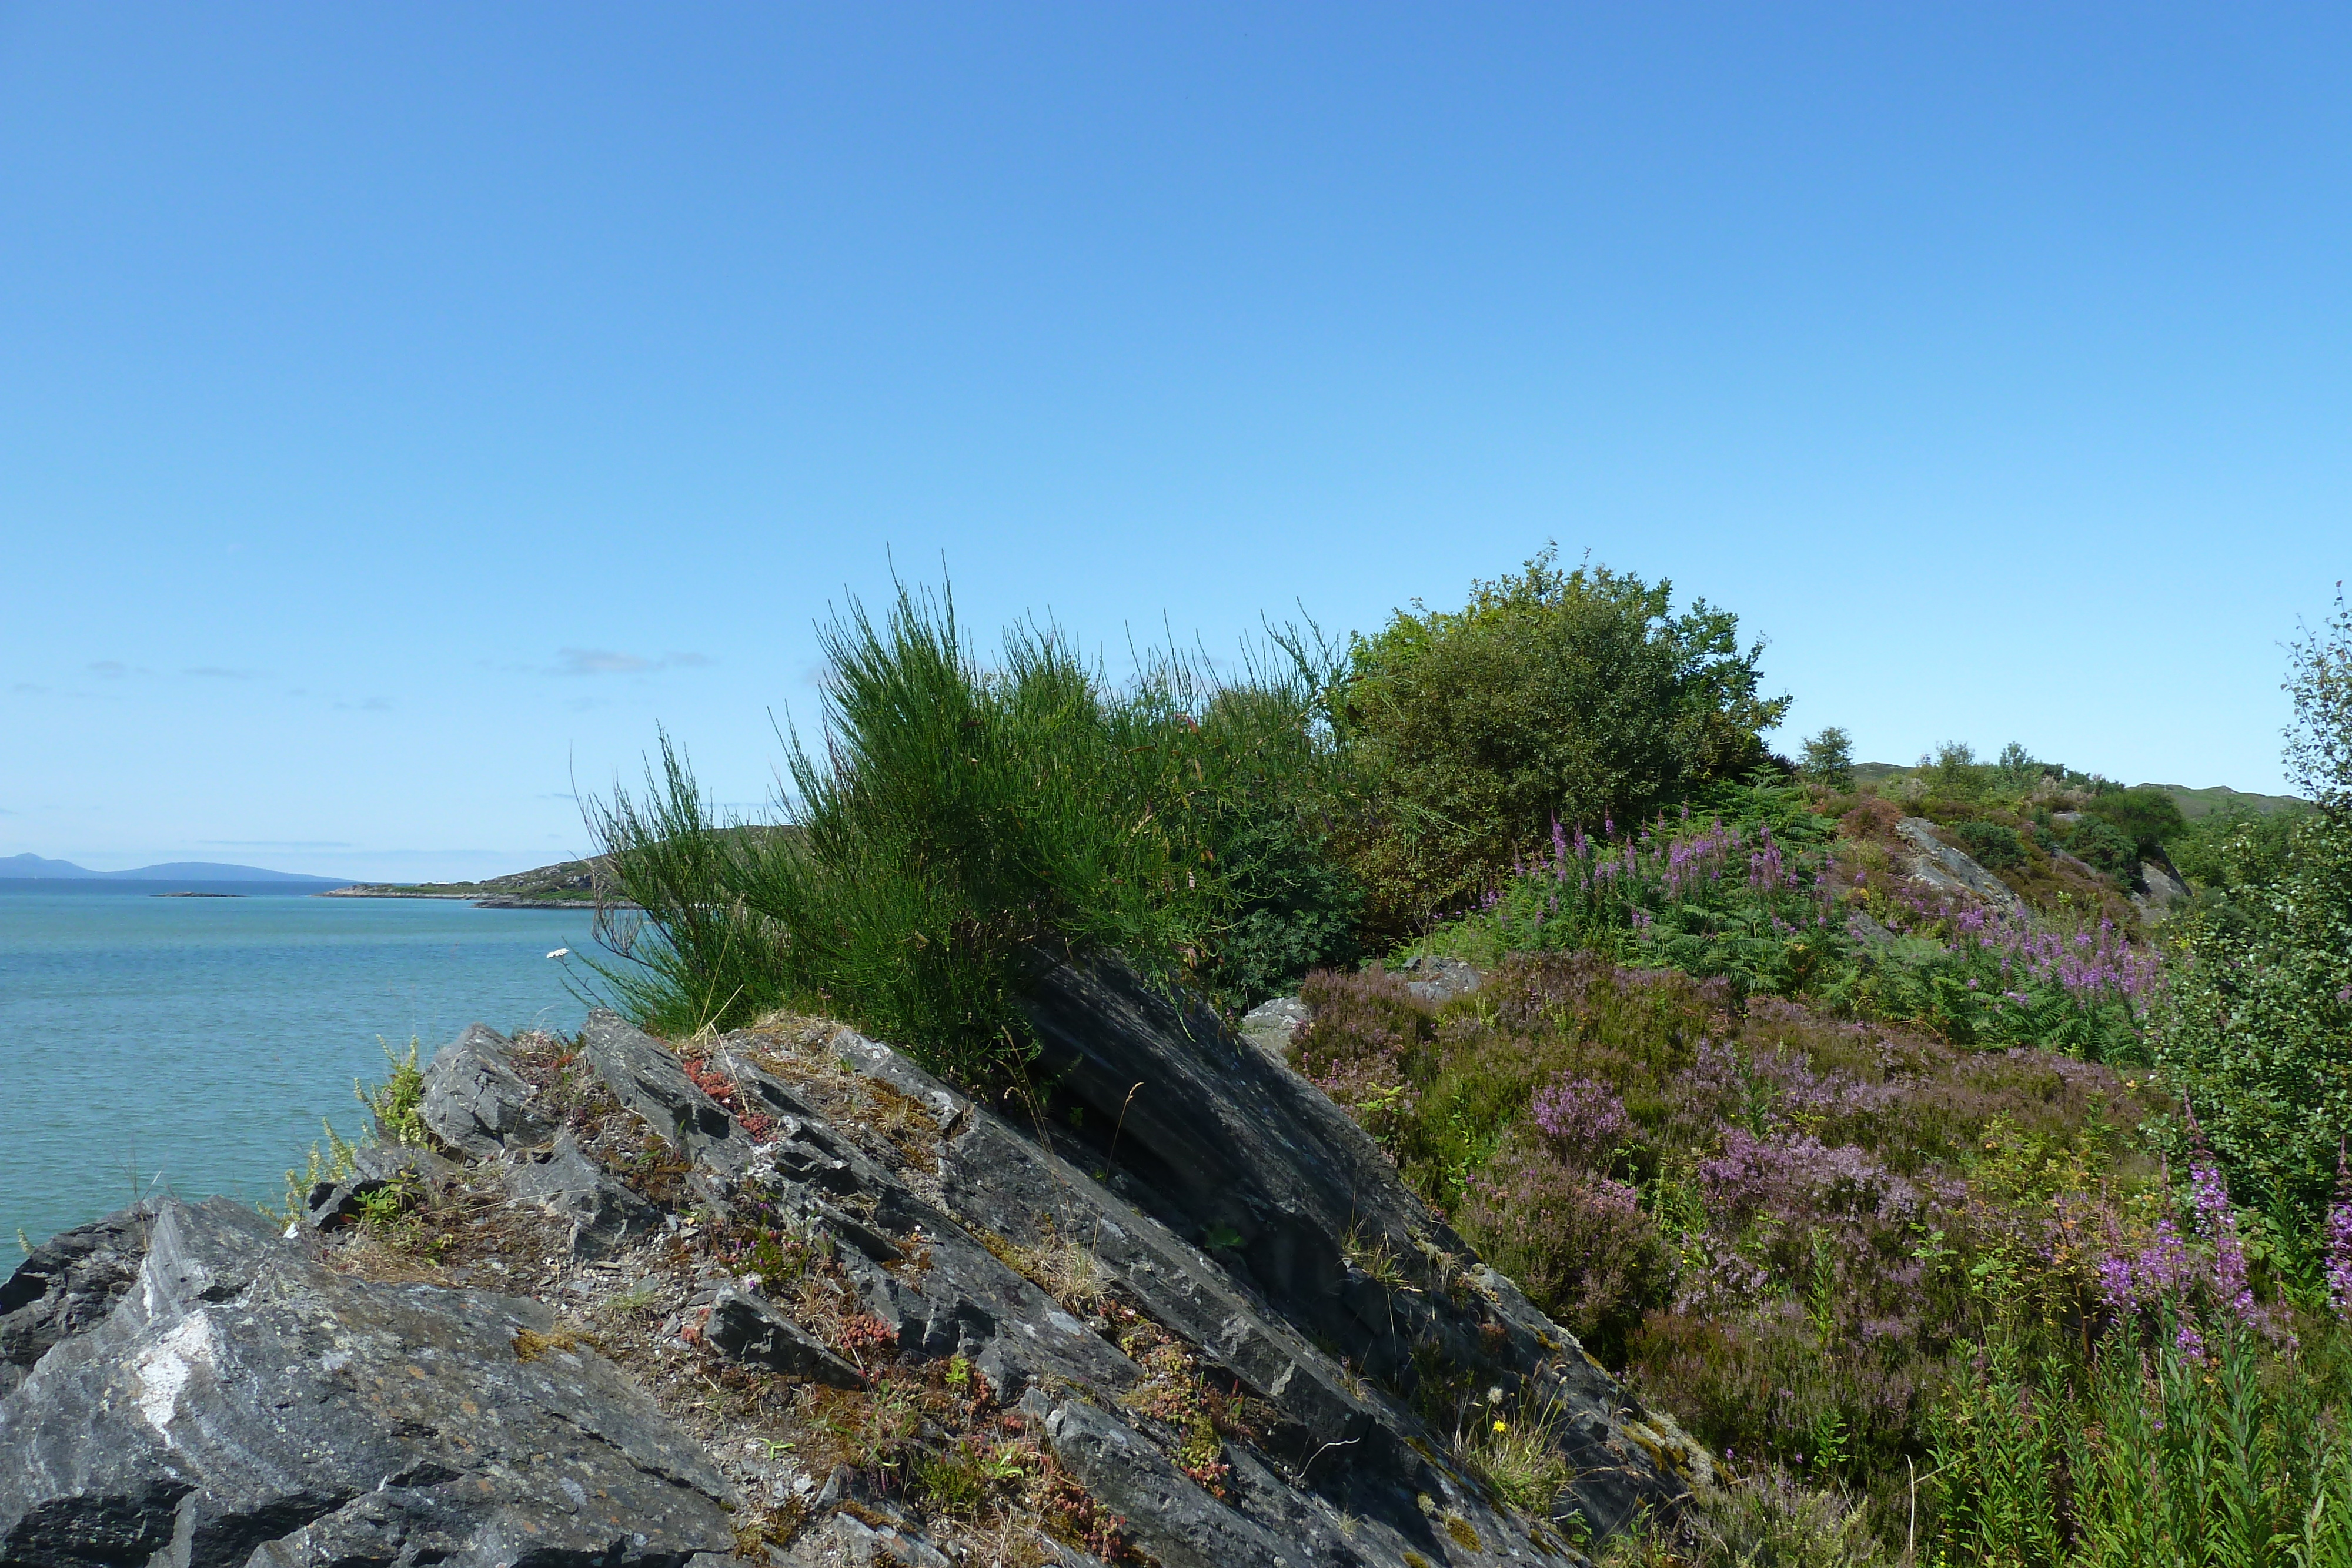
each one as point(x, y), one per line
point(567, 881)
point(1957, 1146)
point(2197, 804)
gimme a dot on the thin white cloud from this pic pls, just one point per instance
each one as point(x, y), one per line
point(609, 662)
point(27, 689)
point(112, 669)
point(216, 672)
point(274, 844)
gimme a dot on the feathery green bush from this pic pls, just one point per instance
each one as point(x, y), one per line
point(1576, 698)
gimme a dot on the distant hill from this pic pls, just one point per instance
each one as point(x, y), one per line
point(572, 882)
point(31, 866)
point(34, 866)
point(2195, 803)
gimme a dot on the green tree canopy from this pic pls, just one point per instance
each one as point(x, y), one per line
point(1577, 697)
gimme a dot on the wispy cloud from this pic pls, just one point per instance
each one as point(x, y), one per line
point(608, 661)
point(274, 843)
point(27, 689)
point(372, 704)
point(112, 669)
point(214, 673)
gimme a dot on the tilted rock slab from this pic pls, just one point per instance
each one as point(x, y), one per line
point(1948, 870)
point(475, 1102)
point(184, 1387)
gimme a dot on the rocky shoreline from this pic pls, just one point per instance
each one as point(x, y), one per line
point(783, 1297)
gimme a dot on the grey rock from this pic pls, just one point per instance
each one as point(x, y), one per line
point(237, 1403)
point(962, 1299)
point(744, 1328)
point(893, 1545)
point(1436, 979)
point(2157, 890)
point(473, 1102)
point(647, 1078)
point(1271, 1026)
point(1171, 1515)
point(68, 1284)
point(605, 1215)
point(1869, 933)
point(374, 1166)
point(1940, 865)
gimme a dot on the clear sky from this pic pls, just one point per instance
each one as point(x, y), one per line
point(403, 410)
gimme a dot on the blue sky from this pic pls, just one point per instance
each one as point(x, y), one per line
point(405, 409)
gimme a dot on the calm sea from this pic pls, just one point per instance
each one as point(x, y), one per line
point(194, 1044)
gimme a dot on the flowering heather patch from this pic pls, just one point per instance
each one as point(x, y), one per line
point(1784, 1226)
point(1777, 919)
point(1577, 1242)
point(1584, 1121)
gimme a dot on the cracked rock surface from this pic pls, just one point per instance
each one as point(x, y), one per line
point(205, 1393)
point(783, 1294)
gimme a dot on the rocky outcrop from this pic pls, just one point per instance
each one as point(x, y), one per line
point(604, 1215)
point(2159, 889)
point(1941, 866)
point(205, 1392)
point(1179, 1297)
point(473, 1102)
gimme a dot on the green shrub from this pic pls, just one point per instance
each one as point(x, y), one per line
point(1991, 845)
point(1955, 773)
point(2197, 1447)
point(964, 817)
point(1569, 696)
point(2099, 844)
point(397, 1104)
point(2233, 849)
point(2145, 815)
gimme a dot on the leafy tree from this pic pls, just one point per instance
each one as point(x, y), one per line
point(2262, 1039)
point(1829, 759)
point(1577, 697)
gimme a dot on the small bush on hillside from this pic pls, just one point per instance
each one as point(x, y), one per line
point(2102, 846)
point(1576, 698)
point(1990, 844)
point(963, 818)
point(2145, 815)
point(1955, 773)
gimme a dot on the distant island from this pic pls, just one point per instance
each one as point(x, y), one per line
point(569, 883)
point(32, 867)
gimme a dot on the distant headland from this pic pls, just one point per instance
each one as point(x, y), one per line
point(569, 882)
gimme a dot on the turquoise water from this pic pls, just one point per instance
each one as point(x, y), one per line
point(193, 1044)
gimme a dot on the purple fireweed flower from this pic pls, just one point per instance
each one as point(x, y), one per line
point(2217, 1222)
